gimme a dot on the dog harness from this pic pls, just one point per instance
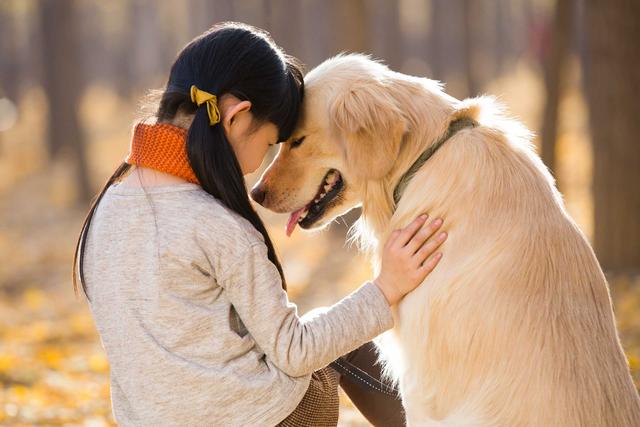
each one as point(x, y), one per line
point(454, 127)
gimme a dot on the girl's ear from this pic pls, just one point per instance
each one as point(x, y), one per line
point(231, 109)
point(370, 127)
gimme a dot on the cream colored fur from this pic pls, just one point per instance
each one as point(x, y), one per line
point(515, 326)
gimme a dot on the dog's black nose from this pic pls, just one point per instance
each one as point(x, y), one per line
point(258, 194)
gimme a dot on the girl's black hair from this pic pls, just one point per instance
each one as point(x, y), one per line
point(235, 59)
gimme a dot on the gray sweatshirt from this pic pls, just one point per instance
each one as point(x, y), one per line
point(193, 318)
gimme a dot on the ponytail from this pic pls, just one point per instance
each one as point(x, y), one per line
point(218, 171)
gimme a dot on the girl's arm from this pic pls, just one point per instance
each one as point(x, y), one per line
point(300, 346)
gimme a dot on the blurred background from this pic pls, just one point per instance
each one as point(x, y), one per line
point(73, 72)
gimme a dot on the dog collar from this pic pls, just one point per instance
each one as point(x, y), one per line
point(453, 128)
point(162, 147)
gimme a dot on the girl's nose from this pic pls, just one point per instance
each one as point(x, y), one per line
point(258, 194)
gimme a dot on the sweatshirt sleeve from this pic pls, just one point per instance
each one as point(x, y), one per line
point(299, 346)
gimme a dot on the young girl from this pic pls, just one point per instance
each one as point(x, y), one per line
point(182, 279)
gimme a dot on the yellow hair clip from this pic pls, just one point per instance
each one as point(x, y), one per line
point(199, 97)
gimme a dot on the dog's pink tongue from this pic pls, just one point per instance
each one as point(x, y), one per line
point(293, 221)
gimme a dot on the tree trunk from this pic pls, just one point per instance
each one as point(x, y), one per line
point(204, 14)
point(436, 40)
point(556, 50)
point(284, 22)
point(469, 20)
point(252, 12)
point(350, 26)
point(315, 21)
point(447, 45)
point(147, 45)
point(613, 86)
point(502, 40)
point(386, 36)
point(63, 85)
point(9, 67)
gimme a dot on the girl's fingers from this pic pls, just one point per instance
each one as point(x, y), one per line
point(428, 248)
point(423, 235)
point(430, 264)
point(393, 237)
point(407, 233)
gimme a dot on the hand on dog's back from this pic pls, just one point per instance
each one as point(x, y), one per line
point(408, 257)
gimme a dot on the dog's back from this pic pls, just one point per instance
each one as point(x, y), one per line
point(515, 327)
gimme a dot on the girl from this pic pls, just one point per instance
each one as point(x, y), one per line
point(183, 281)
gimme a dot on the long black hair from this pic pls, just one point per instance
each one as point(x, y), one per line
point(230, 58)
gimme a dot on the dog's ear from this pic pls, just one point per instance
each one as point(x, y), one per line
point(370, 127)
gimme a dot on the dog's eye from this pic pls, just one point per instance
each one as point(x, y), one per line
point(297, 142)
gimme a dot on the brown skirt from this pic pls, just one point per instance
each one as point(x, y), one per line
point(320, 405)
point(360, 376)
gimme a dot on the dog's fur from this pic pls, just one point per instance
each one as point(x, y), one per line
point(515, 326)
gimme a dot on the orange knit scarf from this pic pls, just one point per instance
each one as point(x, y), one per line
point(162, 147)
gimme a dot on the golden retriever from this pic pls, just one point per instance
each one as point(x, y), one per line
point(515, 326)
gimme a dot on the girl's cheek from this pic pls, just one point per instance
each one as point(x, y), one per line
point(255, 161)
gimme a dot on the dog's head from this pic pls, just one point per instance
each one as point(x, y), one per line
point(350, 134)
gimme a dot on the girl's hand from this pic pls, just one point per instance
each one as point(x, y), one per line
point(407, 260)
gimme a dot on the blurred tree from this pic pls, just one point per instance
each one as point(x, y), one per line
point(447, 45)
point(612, 83)
point(63, 84)
point(436, 39)
point(470, 14)
point(205, 13)
point(145, 48)
point(19, 32)
point(555, 53)
point(9, 75)
point(316, 25)
point(252, 12)
point(503, 34)
point(350, 30)
point(284, 23)
point(123, 79)
point(386, 36)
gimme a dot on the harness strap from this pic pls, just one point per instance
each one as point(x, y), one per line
point(454, 127)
